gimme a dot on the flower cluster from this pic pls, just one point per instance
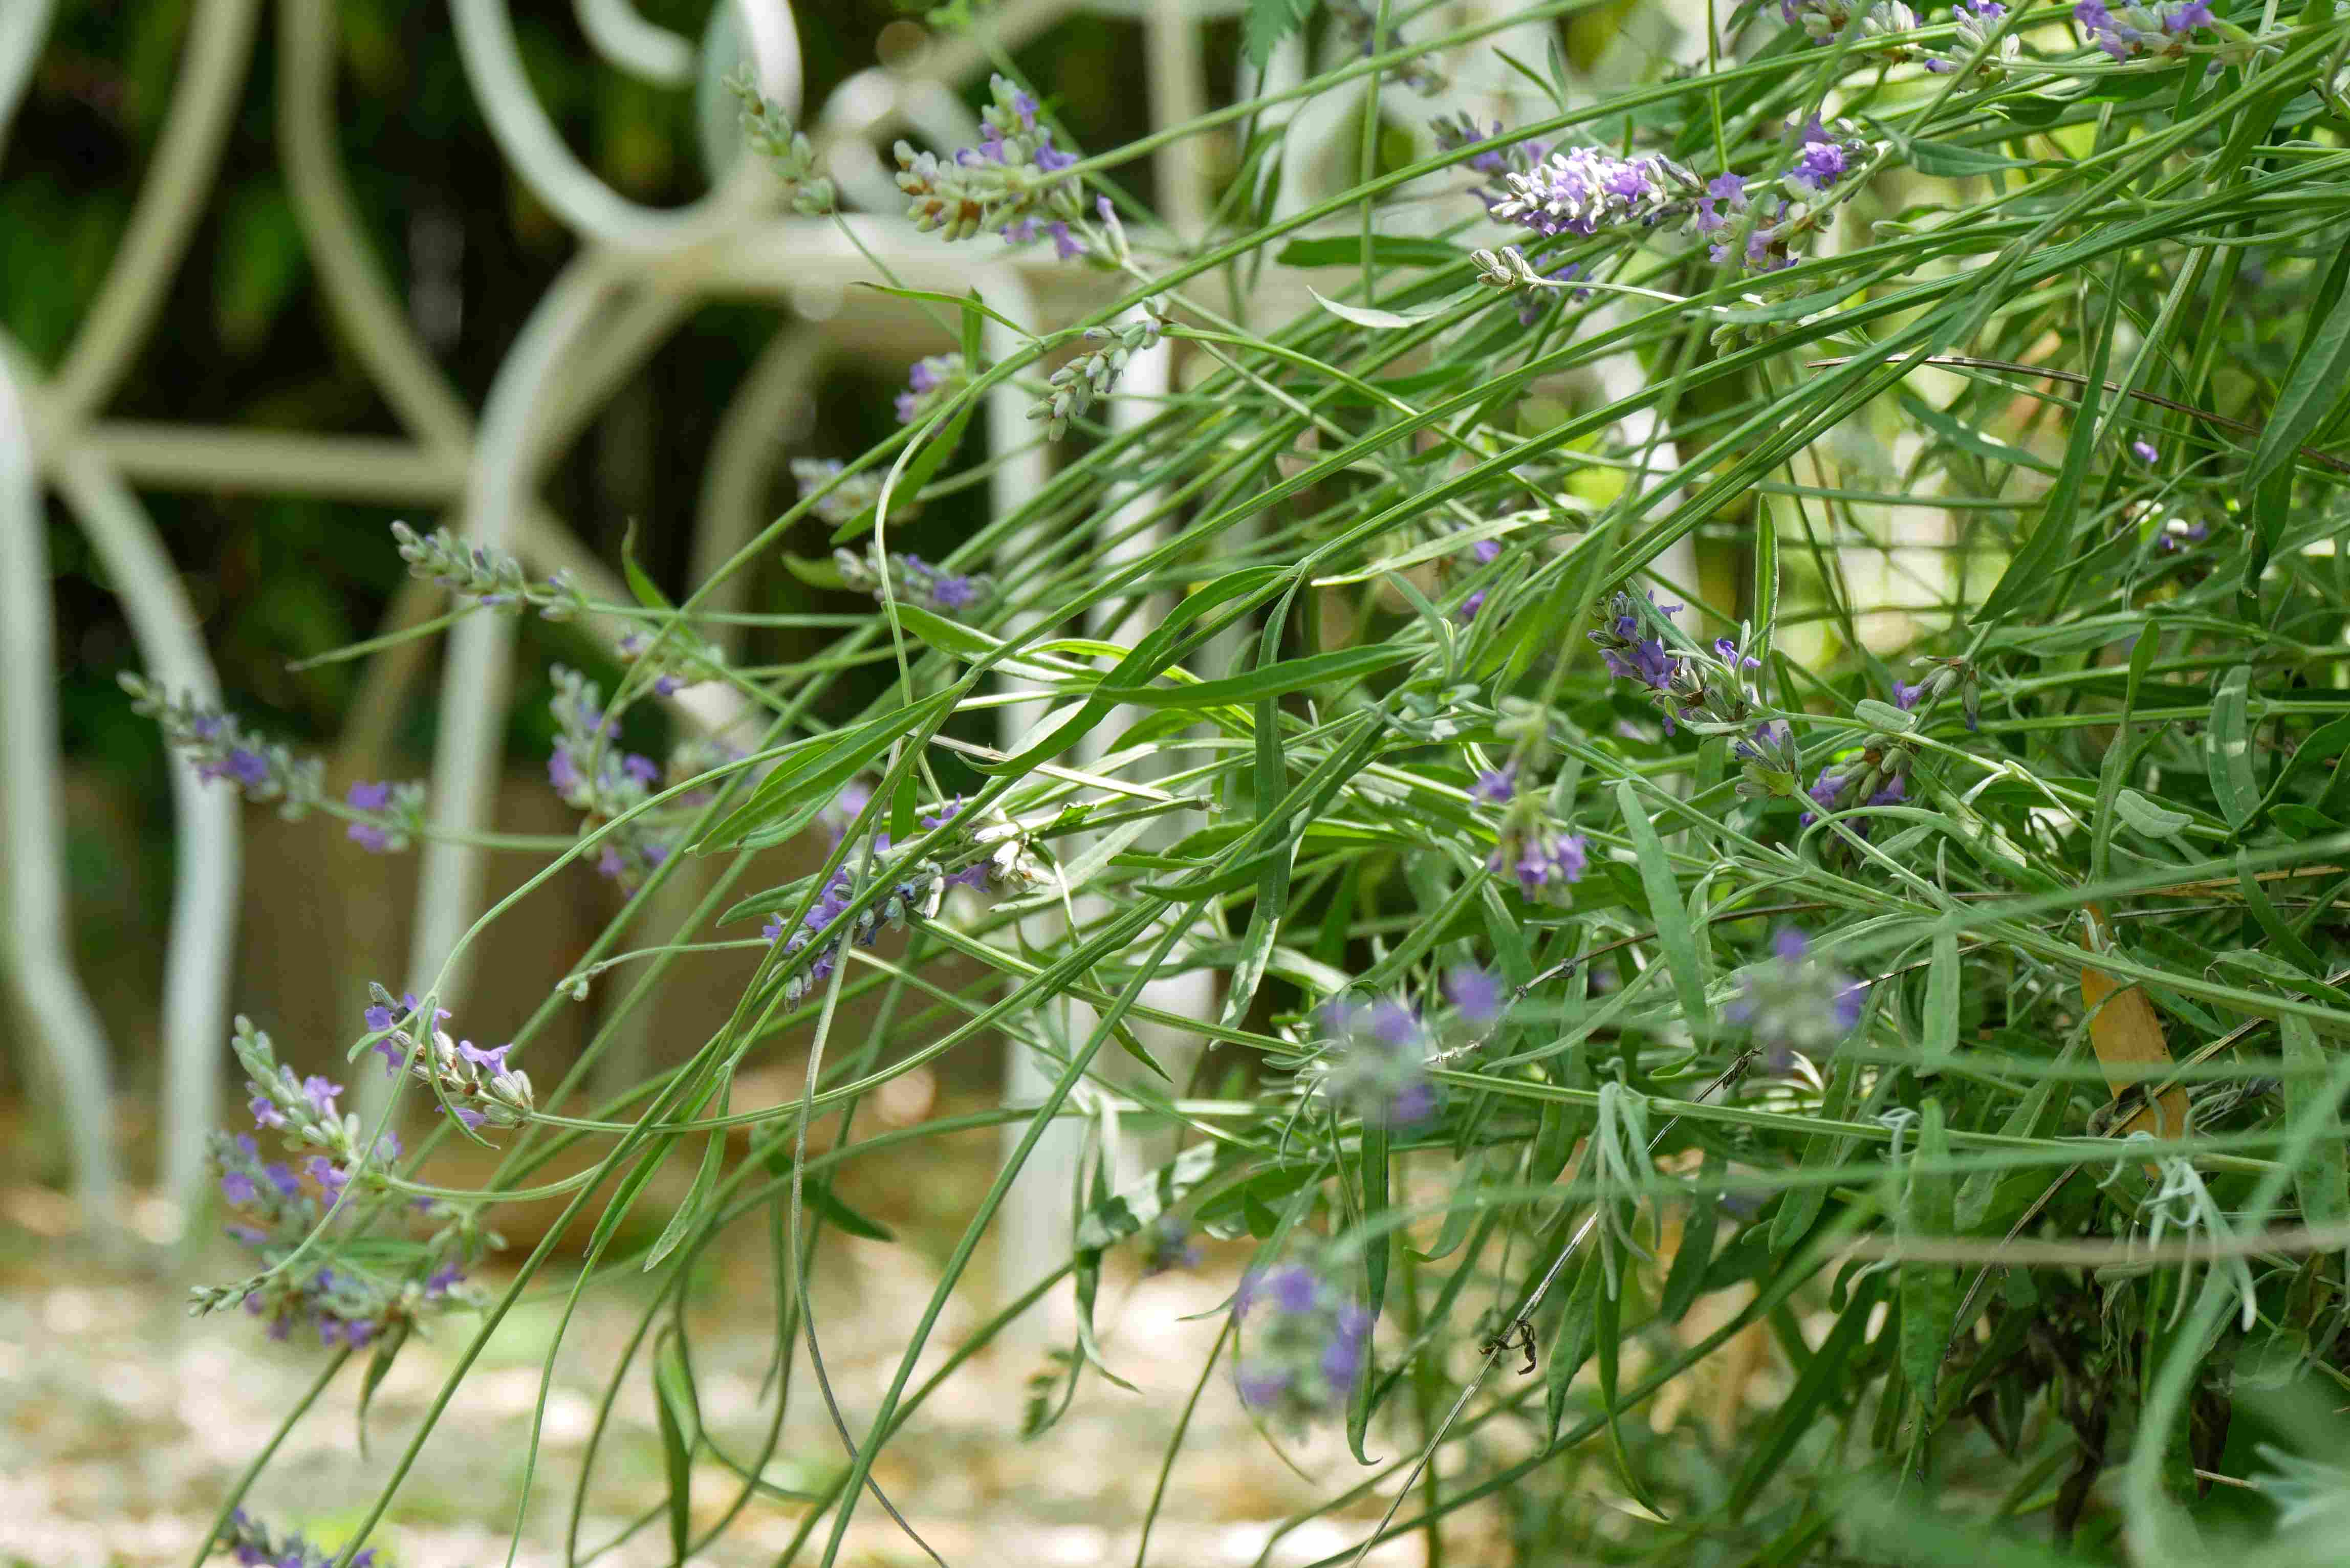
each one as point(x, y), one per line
point(384, 817)
point(915, 890)
point(1878, 776)
point(1767, 760)
point(1376, 1061)
point(1793, 1003)
point(860, 492)
point(595, 777)
point(1014, 181)
point(1976, 21)
point(768, 131)
point(474, 1085)
point(250, 1542)
point(491, 578)
point(1302, 1344)
point(931, 382)
point(1358, 21)
point(1818, 177)
point(909, 579)
point(221, 747)
point(1529, 845)
point(1518, 158)
point(1582, 190)
point(2130, 32)
point(1093, 373)
point(275, 1209)
point(1942, 677)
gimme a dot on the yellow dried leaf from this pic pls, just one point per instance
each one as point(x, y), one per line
point(2128, 1033)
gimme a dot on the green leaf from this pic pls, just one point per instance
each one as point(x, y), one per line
point(806, 781)
point(975, 324)
point(1667, 910)
point(680, 1224)
point(641, 585)
point(2143, 816)
point(1363, 316)
point(2228, 749)
point(1826, 1377)
point(1387, 249)
point(821, 1198)
point(2313, 390)
point(1112, 1220)
point(1884, 716)
point(1942, 996)
point(1929, 1299)
point(1267, 23)
point(678, 1412)
point(386, 1349)
point(2034, 568)
point(946, 636)
point(1571, 1346)
point(2322, 1180)
point(1799, 1210)
point(919, 472)
point(1345, 665)
point(1695, 1254)
point(1946, 161)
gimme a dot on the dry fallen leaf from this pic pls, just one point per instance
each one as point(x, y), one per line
point(2127, 1033)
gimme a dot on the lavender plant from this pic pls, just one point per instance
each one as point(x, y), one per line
point(1724, 811)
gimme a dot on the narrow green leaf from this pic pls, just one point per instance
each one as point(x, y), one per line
point(387, 1348)
point(1667, 910)
point(1799, 1210)
point(1929, 1299)
point(1946, 160)
point(1942, 995)
point(2144, 815)
point(1826, 1376)
point(1695, 1254)
point(2322, 1181)
point(2313, 390)
point(1571, 1347)
point(2034, 568)
point(821, 1198)
point(678, 1414)
point(2289, 942)
point(1347, 664)
point(1387, 249)
point(1363, 316)
point(642, 586)
point(680, 1224)
point(974, 326)
point(2228, 749)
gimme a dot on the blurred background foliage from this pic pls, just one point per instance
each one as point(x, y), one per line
point(246, 339)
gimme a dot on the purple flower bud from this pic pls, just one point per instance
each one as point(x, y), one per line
point(1494, 786)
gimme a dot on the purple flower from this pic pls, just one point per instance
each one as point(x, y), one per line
point(1542, 860)
point(1471, 605)
point(490, 1061)
point(330, 1177)
point(1906, 697)
point(1294, 1289)
point(1494, 786)
point(266, 1112)
point(641, 769)
point(1476, 993)
point(1066, 245)
point(320, 1093)
point(1263, 1389)
point(2145, 452)
point(249, 768)
point(562, 772)
point(1021, 232)
point(1052, 161)
point(1733, 658)
point(282, 1178)
point(238, 1187)
point(370, 796)
point(439, 1283)
point(369, 836)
